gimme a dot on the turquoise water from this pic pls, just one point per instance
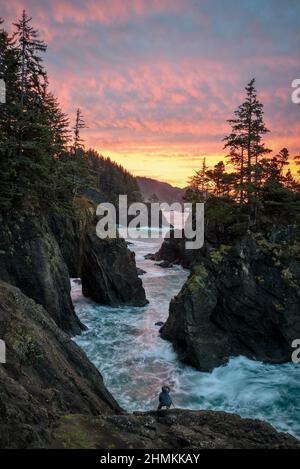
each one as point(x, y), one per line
point(125, 346)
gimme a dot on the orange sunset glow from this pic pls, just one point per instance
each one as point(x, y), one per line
point(157, 80)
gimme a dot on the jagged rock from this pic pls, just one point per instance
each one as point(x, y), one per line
point(165, 264)
point(241, 299)
point(150, 257)
point(173, 250)
point(108, 272)
point(30, 259)
point(46, 374)
point(173, 429)
point(53, 397)
point(140, 271)
point(66, 229)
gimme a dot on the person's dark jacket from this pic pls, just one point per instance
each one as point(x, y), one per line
point(165, 399)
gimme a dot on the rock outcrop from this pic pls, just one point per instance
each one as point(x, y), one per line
point(53, 397)
point(31, 259)
point(67, 232)
point(174, 429)
point(40, 252)
point(241, 298)
point(46, 374)
point(173, 251)
point(108, 272)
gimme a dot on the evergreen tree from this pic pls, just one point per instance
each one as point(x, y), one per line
point(217, 177)
point(58, 123)
point(79, 125)
point(200, 181)
point(32, 159)
point(29, 47)
point(245, 143)
point(283, 160)
point(33, 129)
point(9, 113)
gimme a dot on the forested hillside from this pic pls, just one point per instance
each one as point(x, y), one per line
point(153, 190)
point(43, 160)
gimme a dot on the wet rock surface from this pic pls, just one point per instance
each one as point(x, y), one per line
point(241, 298)
point(174, 429)
point(108, 272)
point(173, 251)
point(53, 397)
point(31, 259)
point(46, 374)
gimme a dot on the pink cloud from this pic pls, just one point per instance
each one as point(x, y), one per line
point(152, 98)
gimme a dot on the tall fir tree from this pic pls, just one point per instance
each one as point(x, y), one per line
point(9, 119)
point(245, 143)
point(200, 181)
point(78, 127)
point(33, 129)
point(29, 47)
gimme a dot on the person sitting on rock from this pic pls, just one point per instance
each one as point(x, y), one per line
point(165, 398)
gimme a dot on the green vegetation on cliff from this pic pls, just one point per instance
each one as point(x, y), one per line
point(43, 162)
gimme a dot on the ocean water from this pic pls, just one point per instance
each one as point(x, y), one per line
point(125, 346)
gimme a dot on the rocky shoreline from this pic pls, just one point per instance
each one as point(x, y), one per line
point(40, 252)
point(52, 396)
point(242, 298)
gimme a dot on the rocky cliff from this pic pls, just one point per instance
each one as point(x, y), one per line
point(46, 374)
point(67, 232)
point(108, 272)
point(173, 251)
point(173, 429)
point(53, 397)
point(31, 259)
point(40, 252)
point(241, 298)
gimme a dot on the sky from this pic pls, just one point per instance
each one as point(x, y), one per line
point(156, 80)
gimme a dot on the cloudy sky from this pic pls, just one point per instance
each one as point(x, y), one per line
point(157, 79)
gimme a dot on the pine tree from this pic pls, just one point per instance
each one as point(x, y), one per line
point(200, 181)
point(283, 160)
point(289, 181)
point(217, 177)
point(237, 151)
point(79, 125)
point(245, 143)
point(33, 129)
point(33, 162)
point(9, 112)
point(29, 47)
point(58, 123)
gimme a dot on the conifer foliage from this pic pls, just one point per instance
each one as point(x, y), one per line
point(33, 129)
point(261, 185)
point(43, 162)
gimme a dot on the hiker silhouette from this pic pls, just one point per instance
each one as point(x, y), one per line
point(165, 398)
